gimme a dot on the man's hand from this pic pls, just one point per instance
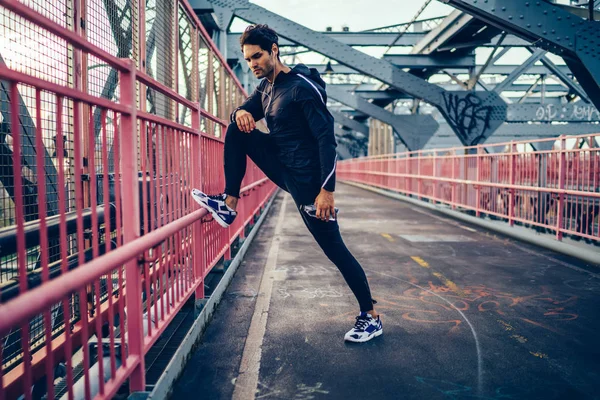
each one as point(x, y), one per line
point(325, 205)
point(245, 121)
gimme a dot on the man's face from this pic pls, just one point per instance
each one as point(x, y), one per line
point(261, 63)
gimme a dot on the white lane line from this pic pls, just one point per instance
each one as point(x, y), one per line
point(246, 383)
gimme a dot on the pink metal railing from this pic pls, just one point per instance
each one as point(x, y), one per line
point(556, 190)
point(134, 246)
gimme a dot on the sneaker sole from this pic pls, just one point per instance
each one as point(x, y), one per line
point(378, 333)
point(215, 215)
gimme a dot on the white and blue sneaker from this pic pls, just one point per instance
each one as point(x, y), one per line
point(365, 328)
point(216, 206)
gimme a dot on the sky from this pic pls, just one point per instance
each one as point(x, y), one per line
point(360, 15)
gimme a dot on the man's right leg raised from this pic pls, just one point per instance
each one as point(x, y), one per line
point(239, 145)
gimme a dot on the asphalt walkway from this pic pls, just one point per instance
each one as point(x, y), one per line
point(466, 314)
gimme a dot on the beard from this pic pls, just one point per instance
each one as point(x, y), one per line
point(264, 72)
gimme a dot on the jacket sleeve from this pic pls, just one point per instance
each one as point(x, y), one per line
point(320, 123)
point(253, 104)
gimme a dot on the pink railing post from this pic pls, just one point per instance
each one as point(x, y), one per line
point(198, 253)
point(562, 173)
point(131, 225)
point(419, 180)
point(434, 174)
point(407, 181)
point(511, 190)
point(453, 182)
point(478, 185)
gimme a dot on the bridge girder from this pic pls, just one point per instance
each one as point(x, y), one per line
point(486, 110)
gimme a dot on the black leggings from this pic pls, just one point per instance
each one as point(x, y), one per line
point(262, 151)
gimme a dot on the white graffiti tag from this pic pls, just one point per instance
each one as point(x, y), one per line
point(571, 112)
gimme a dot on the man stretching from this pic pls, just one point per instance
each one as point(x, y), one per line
point(298, 155)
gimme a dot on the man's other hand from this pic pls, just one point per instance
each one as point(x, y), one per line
point(325, 205)
point(245, 121)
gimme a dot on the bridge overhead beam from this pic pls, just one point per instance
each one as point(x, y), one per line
point(552, 28)
point(374, 39)
point(413, 130)
point(473, 116)
point(559, 73)
point(440, 35)
point(348, 122)
point(366, 39)
point(515, 87)
point(571, 112)
point(535, 57)
point(431, 61)
point(490, 70)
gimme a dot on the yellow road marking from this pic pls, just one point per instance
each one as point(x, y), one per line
point(388, 237)
point(538, 354)
point(449, 284)
point(421, 262)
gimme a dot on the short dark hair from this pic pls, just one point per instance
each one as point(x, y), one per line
point(260, 35)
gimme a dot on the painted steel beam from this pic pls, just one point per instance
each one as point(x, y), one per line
point(346, 121)
point(413, 130)
point(565, 79)
point(367, 39)
point(535, 57)
point(551, 28)
point(507, 132)
point(572, 112)
point(372, 39)
point(450, 26)
point(490, 70)
point(394, 94)
point(437, 61)
point(473, 116)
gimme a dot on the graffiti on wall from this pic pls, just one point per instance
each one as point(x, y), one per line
point(468, 117)
point(571, 112)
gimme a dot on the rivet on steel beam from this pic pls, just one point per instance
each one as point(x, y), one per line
point(510, 17)
point(553, 31)
point(529, 25)
point(539, 25)
point(493, 9)
point(526, 4)
point(503, 8)
point(545, 12)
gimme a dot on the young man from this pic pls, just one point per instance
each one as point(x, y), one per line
point(298, 155)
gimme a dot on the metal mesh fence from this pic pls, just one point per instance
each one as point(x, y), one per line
point(32, 50)
point(160, 54)
point(203, 77)
point(185, 79)
point(216, 94)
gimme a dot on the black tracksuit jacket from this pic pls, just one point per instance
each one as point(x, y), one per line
point(300, 125)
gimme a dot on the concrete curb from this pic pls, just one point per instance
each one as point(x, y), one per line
point(516, 232)
point(177, 364)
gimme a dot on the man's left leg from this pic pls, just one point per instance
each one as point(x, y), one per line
point(327, 234)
